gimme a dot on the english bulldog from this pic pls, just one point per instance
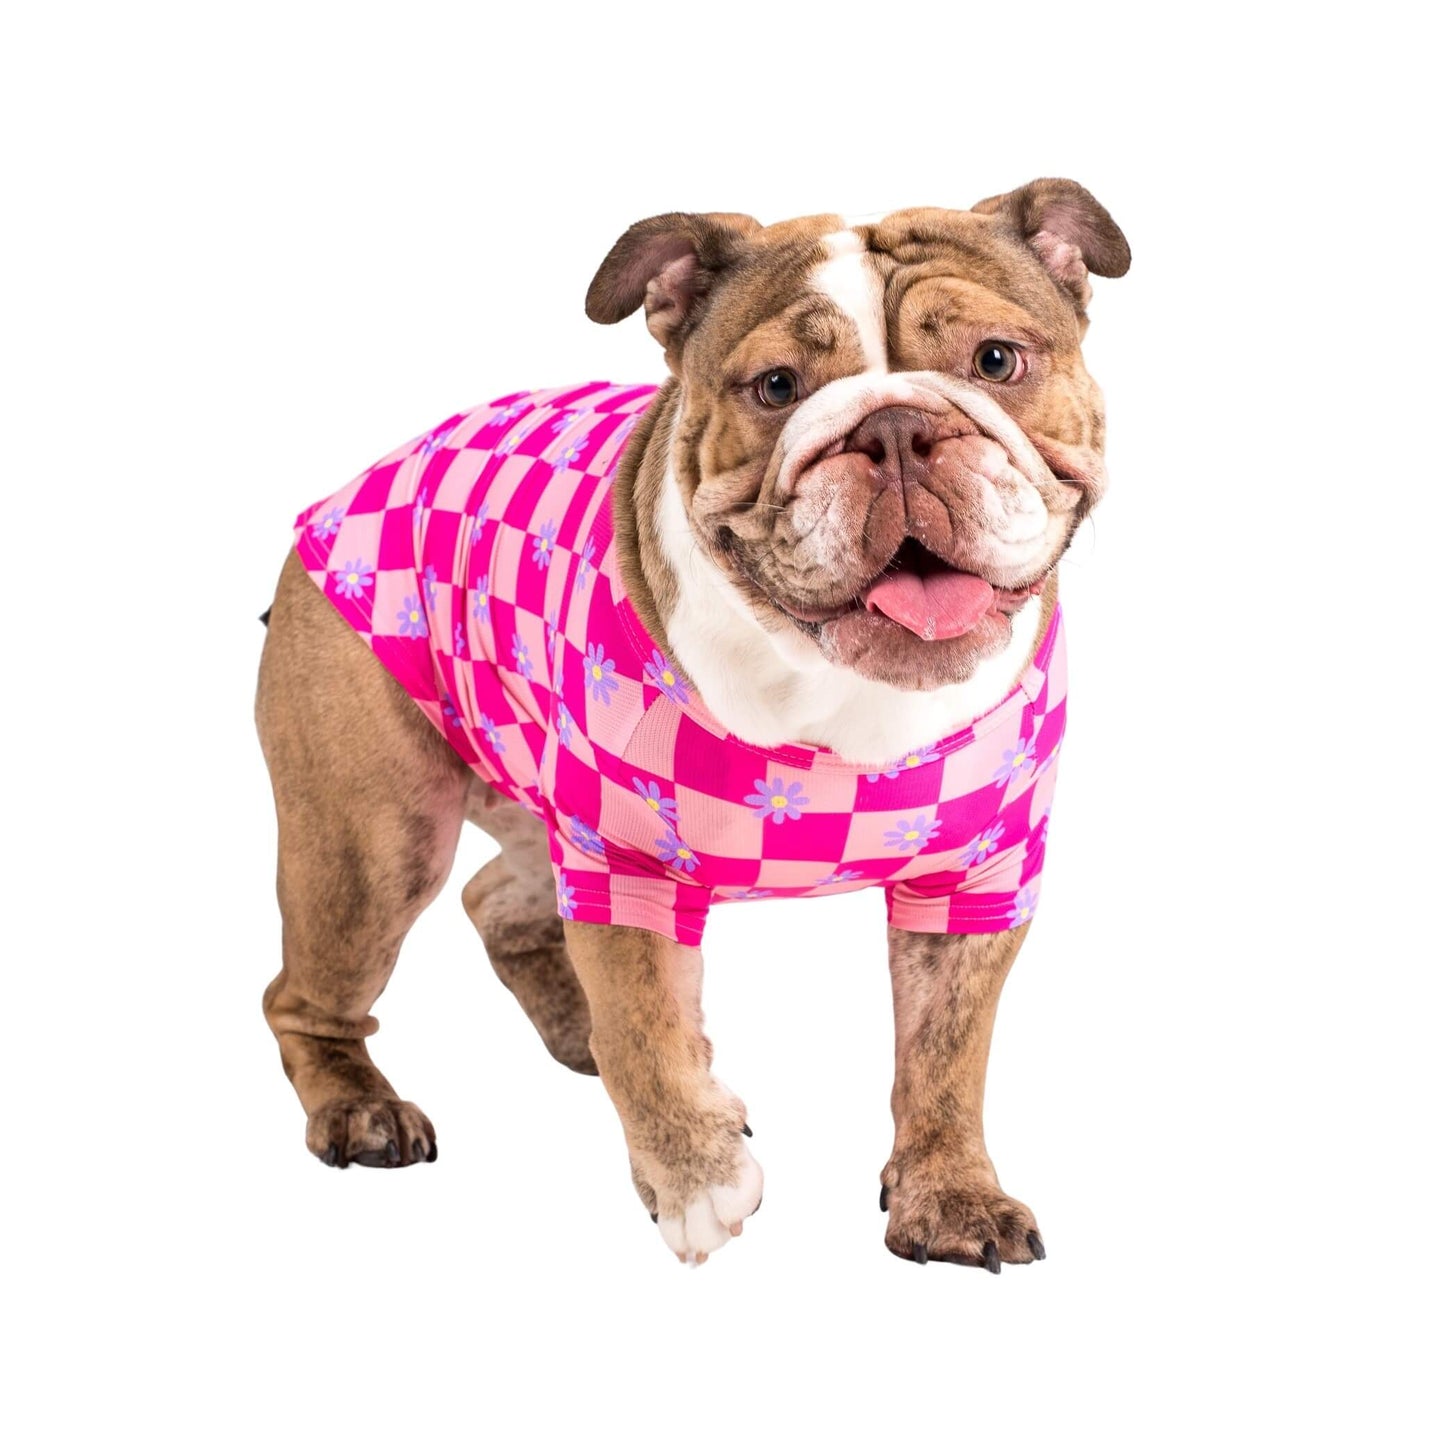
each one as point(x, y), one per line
point(785, 625)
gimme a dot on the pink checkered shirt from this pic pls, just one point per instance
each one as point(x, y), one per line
point(479, 564)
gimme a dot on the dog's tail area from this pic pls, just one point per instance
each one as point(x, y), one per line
point(266, 617)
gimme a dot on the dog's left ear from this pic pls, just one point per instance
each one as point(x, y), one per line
point(667, 263)
point(1071, 233)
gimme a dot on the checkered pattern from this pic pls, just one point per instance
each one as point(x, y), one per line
point(478, 562)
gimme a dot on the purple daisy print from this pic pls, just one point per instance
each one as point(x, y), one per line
point(978, 848)
point(584, 565)
point(480, 518)
point(671, 849)
point(838, 875)
point(1048, 762)
point(459, 641)
point(601, 681)
point(550, 633)
point(521, 656)
point(449, 711)
point(493, 735)
point(909, 836)
point(651, 794)
point(429, 581)
point(739, 895)
point(1024, 905)
point(482, 599)
point(564, 724)
point(436, 439)
point(569, 454)
point(566, 898)
point(1015, 760)
point(782, 800)
point(543, 543)
point(327, 526)
point(588, 839)
point(353, 577)
point(412, 618)
point(662, 676)
point(503, 415)
point(418, 512)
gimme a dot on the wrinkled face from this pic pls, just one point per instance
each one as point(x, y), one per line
point(886, 435)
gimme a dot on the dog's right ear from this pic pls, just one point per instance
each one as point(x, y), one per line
point(667, 263)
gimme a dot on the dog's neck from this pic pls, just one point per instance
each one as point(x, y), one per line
point(772, 687)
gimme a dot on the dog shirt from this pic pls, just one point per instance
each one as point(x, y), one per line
point(478, 562)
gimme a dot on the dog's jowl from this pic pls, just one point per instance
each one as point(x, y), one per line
point(785, 625)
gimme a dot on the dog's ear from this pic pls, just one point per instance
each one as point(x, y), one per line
point(1071, 233)
point(667, 263)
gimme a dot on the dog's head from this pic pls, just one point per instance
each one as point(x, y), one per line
point(885, 435)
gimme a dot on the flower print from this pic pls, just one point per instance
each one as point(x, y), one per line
point(449, 711)
point(551, 635)
point(327, 526)
point(1048, 762)
point(505, 414)
point(542, 543)
point(1024, 905)
point(566, 898)
point(890, 772)
point(589, 840)
point(411, 617)
point(418, 512)
point(601, 679)
point(838, 875)
point(781, 800)
point(660, 672)
point(978, 848)
point(651, 794)
point(429, 580)
point(570, 453)
point(436, 439)
point(1015, 760)
point(521, 656)
point(564, 725)
point(480, 518)
point(1043, 829)
point(459, 641)
point(482, 599)
point(584, 565)
point(908, 761)
point(353, 576)
point(738, 895)
point(507, 445)
point(562, 421)
point(671, 849)
point(909, 837)
point(493, 735)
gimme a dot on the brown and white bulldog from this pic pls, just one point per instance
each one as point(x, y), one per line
point(844, 512)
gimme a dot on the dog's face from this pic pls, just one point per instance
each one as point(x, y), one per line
point(886, 434)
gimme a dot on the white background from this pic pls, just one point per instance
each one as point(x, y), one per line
point(250, 249)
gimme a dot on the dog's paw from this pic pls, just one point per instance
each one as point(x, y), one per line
point(380, 1133)
point(701, 1185)
point(965, 1219)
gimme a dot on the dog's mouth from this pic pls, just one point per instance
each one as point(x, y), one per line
point(927, 596)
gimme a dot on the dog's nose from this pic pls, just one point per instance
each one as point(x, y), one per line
point(896, 439)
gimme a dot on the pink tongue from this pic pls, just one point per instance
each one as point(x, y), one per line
point(944, 604)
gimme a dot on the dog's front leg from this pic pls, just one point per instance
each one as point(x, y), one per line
point(684, 1130)
point(939, 1188)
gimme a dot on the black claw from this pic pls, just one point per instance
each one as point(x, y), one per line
point(920, 1254)
point(431, 1157)
point(330, 1156)
point(990, 1258)
point(393, 1154)
point(747, 1129)
point(418, 1149)
point(1035, 1244)
point(883, 1199)
point(653, 1212)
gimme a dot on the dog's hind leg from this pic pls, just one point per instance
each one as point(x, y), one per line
point(512, 902)
point(369, 806)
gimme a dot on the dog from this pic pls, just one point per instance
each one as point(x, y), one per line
point(786, 624)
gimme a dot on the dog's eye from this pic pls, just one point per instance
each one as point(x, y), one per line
point(778, 388)
point(996, 361)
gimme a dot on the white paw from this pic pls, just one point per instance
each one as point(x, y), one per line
point(711, 1218)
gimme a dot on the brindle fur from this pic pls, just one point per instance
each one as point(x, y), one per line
point(370, 799)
